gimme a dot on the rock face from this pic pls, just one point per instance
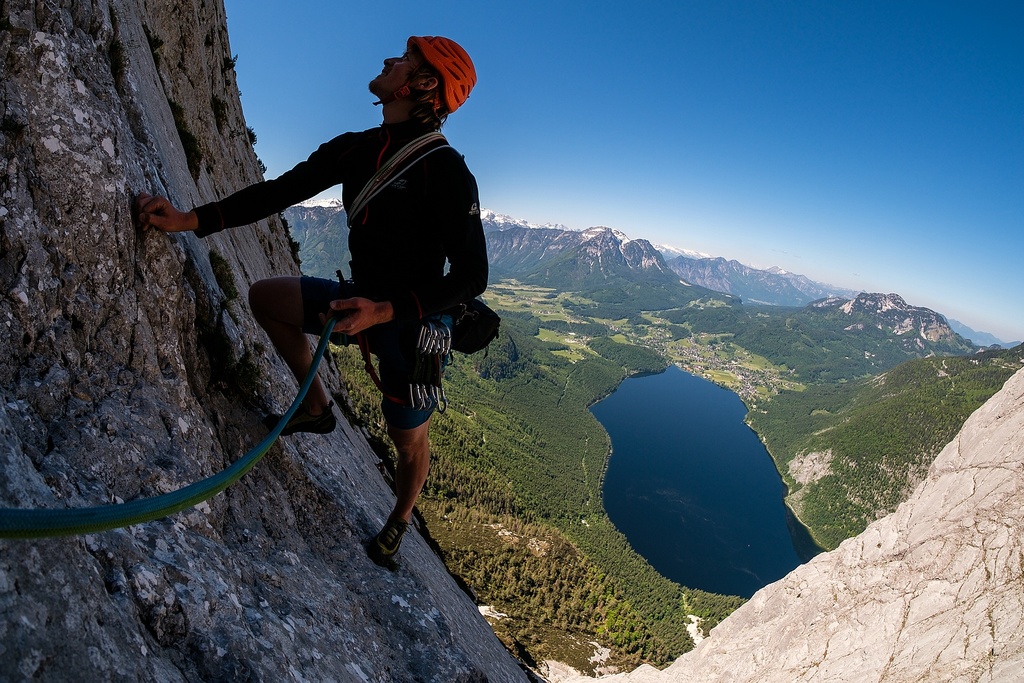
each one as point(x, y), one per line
point(574, 260)
point(132, 367)
point(322, 233)
point(932, 592)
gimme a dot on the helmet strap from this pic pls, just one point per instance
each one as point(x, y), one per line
point(395, 96)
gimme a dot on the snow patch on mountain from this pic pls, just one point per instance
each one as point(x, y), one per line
point(504, 221)
point(670, 252)
point(600, 230)
point(322, 203)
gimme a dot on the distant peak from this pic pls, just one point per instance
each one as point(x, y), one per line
point(504, 221)
point(604, 230)
point(322, 203)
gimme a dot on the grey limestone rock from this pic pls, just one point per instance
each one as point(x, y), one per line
point(132, 367)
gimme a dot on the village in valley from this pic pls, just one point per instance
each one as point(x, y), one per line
point(711, 356)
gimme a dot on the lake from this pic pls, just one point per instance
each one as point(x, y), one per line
point(694, 489)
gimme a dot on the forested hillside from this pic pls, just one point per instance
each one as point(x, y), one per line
point(850, 453)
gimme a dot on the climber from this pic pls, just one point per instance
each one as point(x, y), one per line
point(399, 240)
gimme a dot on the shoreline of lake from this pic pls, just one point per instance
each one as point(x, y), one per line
point(797, 535)
point(801, 526)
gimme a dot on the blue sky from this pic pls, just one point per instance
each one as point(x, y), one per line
point(871, 145)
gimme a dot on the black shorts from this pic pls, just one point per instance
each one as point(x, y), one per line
point(394, 367)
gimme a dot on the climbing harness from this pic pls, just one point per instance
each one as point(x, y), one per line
point(19, 523)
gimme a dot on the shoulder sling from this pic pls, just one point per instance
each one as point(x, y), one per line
point(394, 167)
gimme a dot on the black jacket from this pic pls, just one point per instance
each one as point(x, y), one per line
point(400, 242)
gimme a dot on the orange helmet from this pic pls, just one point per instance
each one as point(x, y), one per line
point(453, 63)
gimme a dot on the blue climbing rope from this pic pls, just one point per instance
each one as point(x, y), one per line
point(20, 523)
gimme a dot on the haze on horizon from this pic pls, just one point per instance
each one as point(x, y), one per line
point(872, 146)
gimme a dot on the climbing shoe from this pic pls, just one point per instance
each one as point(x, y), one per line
point(302, 421)
point(387, 541)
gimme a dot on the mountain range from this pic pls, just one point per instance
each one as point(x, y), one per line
point(606, 264)
point(771, 286)
point(598, 257)
point(571, 259)
point(624, 274)
point(774, 286)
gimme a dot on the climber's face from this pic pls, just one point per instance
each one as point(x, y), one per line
point(396, 73)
